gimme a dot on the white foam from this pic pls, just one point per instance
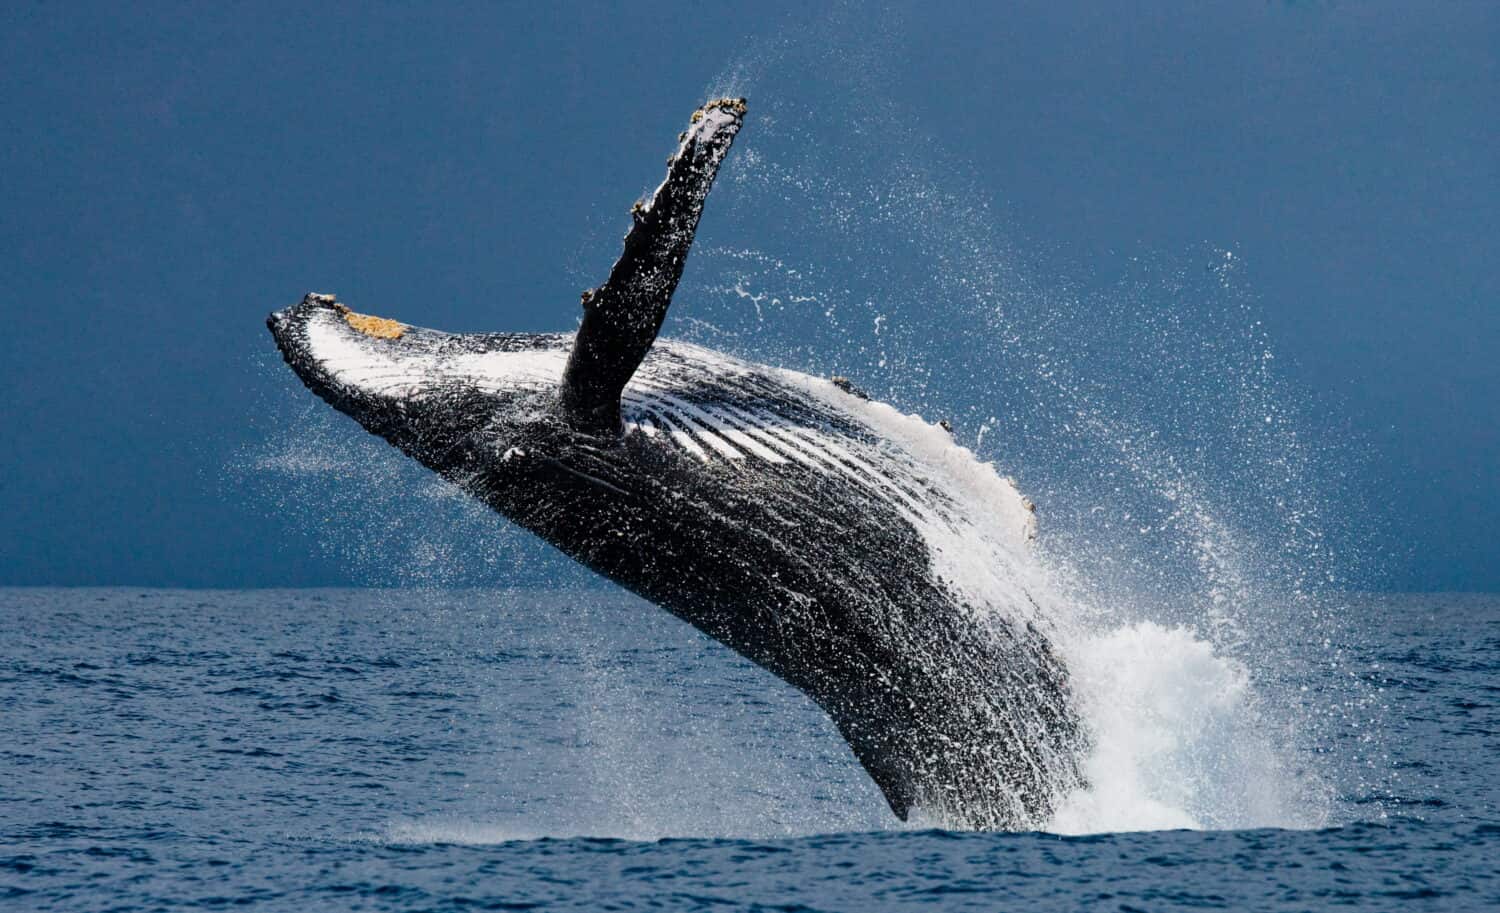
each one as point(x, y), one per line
point(1178, 741)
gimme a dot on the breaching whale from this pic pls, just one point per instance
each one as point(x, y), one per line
point(826, 537)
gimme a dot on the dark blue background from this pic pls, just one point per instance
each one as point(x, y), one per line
point(169, 175)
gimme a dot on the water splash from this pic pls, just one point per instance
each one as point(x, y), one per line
point(1179, 740)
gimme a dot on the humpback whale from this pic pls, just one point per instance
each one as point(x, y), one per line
point(828, 538)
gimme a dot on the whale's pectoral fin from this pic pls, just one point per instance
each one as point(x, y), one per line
point(622, 317)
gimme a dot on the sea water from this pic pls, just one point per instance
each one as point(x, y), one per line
point(580, 749)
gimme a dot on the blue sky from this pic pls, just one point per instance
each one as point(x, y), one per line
point(171, 174)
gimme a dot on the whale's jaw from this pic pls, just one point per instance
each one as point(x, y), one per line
point(324, 341)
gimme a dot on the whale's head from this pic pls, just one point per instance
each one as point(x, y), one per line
point(451, 401)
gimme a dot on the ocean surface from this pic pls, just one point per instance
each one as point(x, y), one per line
point(579, 749)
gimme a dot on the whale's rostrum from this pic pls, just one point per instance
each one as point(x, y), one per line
point(830, 539)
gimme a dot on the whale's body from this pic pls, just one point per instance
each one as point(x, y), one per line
point(815, 532)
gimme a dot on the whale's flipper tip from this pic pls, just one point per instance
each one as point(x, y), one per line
point(622, 317)
point(882, 760)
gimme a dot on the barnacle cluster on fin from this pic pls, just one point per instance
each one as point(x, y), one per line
point(377, 327)
point(1030, 528)
point(847, 385)
point(732, 105)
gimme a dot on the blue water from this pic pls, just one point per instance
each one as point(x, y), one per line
point(400, 750)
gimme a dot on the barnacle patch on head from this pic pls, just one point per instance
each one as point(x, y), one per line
point(377, 327)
